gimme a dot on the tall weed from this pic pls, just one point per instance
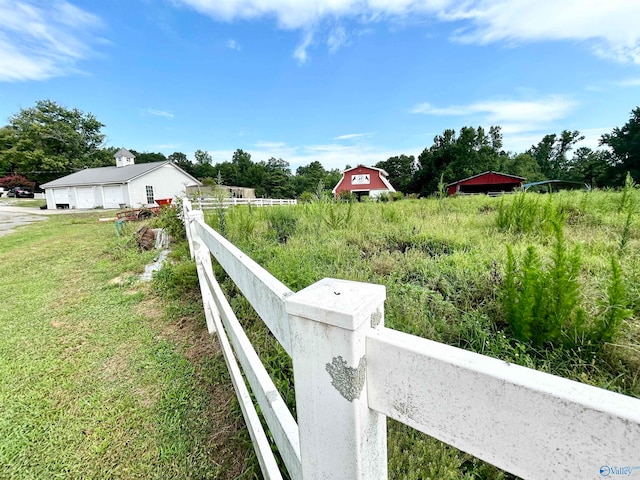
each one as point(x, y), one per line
point(526, 213)
point(540, 299)
point(335, 217)
point(616, 312)
point(626, 200)
point(282, 223)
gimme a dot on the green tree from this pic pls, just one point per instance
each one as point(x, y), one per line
point(203, 167)
point(277, 178)
point(181, 160)
point(48, 141)
point(241, 160)
point(6, 141)
point(202, 157)
point(148, 157)
point(591, 167)
point(552, 151)
point(625, 145)
point(522, 165)
point(308, 177)
point(454, 157)
point(400, 169)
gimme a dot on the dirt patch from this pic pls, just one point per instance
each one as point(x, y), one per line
point(204, 346)
point(9, 221)
point(151, 308)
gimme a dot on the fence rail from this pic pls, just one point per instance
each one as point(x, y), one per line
point(213, 203)
point(351, 372)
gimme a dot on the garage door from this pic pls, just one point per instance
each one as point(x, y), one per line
point(86, 198)
point(61, 196)
point(113, 196)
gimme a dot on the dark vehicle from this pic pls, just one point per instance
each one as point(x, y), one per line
point(20, 192)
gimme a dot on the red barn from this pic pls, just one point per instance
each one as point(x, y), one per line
point(363, 180)
point(487, 182)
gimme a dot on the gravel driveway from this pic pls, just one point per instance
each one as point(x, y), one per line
point(12, 217)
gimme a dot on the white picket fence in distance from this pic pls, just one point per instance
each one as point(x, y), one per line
point(351, 373)
point(213, 203)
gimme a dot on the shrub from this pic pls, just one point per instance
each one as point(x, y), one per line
point(540, 301)
point(170, 219)
point(283, 223)
point(383, 197)
point(395, 196)
point(335, 216)
point(11, 181)
point(176, 279)
point(626, 200)
point(609, 322)
point(347, 196)
point(526, 214)
point(305, 197)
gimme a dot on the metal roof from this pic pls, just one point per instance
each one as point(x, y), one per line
point(123, 152)
point(486, 173)
point(370, 168)
point(106, 175)
point(552, 182)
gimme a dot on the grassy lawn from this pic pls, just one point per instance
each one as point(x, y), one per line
point(22, 202)
point(102, 377)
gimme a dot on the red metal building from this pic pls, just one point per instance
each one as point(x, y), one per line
point(487, 182)
point(363, 180)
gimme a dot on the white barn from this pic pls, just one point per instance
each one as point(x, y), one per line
point(126, 184)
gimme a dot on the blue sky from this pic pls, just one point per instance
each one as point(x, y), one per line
point(339, 81)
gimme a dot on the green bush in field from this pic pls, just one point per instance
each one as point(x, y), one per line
point(170, 219)
point(282, 223)
point(337, 216)
point(616, 311)
point(540, 301)
point(346, 196)
point(396, 196)
point(526, 213)
point(383, 197)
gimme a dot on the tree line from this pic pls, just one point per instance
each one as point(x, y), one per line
point(48, 141)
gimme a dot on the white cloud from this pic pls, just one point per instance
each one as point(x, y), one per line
point(629, 82)
point(351, 136)
point(157, 113)
point(233, 45)
point(300, 53)
point(270, 144)
point(337, 38)
point(610, 26)
point(514, 116)
point(41, 40)
point(164, 146)
point(329, 155)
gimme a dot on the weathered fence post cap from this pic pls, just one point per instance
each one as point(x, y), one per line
point(340, 303)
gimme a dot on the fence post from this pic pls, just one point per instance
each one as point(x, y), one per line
point(192, 236)
point(340, 437)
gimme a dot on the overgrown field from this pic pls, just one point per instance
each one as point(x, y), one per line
point(545, 281)
point(102, 376)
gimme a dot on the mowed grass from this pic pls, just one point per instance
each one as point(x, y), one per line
point(443, 263)
point(22, 202)
point(100, 377)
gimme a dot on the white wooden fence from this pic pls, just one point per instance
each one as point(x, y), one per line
point(211, 203)
point(351, 373)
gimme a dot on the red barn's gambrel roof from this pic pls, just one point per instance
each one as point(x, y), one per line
point(377, 181)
